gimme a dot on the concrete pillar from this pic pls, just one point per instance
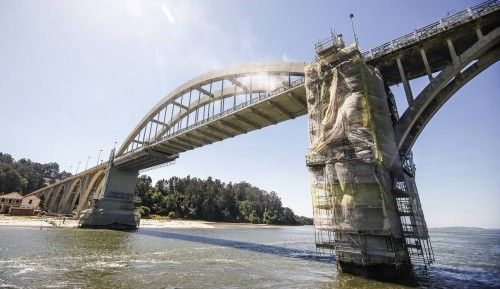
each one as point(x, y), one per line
point(453, 53)
point(426, 64)
point(352, 158)
point(114, 207)
point(64, 198)
point(406, 84)
point(56, 199)
point(479, 33)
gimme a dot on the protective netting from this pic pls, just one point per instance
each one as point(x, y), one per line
point(351, 155)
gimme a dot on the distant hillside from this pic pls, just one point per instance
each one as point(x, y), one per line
point(461, 229)
point(26, 176)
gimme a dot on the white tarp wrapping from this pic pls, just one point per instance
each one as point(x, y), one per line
point(350, 128)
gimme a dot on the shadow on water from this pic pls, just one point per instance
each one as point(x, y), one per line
point(255, 247)
point(436, 277)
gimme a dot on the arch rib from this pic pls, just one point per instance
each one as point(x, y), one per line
point(231, 75)
point(443, 87)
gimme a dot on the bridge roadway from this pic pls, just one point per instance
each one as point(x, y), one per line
point(227, 103)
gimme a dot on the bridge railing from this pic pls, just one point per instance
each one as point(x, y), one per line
point(238, 107)
point(433, 28)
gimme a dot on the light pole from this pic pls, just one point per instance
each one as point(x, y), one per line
point(88, 159)
point(351, 16)
point(77, 166)
point(99, 157)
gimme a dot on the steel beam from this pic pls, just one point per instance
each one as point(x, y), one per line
point(208, 135)
point(238, 84)
point(297, 99)
point(167, 148)
point(232, 126)
point(159, 122)
point(176, 141)
point(180, 105)
point(263, 115)
point(178, 148)
point(247, 121)
point(281, 109)
point(204, 91)
point(185, 139)
point(201, 140)
point(220, 131)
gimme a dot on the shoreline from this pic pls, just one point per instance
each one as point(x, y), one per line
point(7, 221)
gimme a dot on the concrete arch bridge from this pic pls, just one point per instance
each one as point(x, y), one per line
point(226, 103)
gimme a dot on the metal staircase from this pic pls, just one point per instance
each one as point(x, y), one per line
point(410, 211)
point(412, 217)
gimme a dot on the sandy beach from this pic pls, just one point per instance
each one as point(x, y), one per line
point(34, 221)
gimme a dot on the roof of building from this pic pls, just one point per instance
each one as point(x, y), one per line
point(13, 195)
point(31, 197)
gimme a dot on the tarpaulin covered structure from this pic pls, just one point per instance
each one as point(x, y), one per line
point(353, 159)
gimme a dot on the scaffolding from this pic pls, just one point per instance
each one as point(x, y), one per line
point(412, 217)
point(347, 245)
point(355, 214)
point(415, 232)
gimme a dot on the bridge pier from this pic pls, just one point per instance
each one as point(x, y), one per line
point(354, 161)
point(113, 208)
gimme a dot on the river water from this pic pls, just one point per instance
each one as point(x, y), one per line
point(221, 257)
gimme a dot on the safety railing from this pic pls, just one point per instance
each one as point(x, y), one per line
point(433, 28)
point(251, 101)
point(333, 41)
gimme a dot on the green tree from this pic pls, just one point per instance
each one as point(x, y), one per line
point(10, 180)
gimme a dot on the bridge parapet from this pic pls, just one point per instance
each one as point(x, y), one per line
point(427, 50)
point(432, 29)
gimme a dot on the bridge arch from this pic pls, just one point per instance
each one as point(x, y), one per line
point(46, 198)
point(71, 196)
point(209, 94)
point(455, 75)
point(57, 197)
point(94, 186)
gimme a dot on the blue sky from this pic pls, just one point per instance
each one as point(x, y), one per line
point(77, 76)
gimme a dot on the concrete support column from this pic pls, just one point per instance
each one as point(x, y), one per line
point(114, 207)
point(67, 198)
point(57, 195)
point(406, 84)
point(64, 198)
point(479, 33)
point(453, 53)
point(47, 199)
point(426, 63)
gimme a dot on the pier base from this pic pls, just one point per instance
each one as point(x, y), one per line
point(108, 215)
point(382, 272)
point(113, 208)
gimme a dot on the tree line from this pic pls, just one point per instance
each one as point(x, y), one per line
point(25, 176)
point(187, 198)
point(213, 200)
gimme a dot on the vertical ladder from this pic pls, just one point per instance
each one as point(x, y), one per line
point(410, 210)
point(412, 217)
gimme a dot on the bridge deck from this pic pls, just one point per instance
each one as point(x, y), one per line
point(257, 113)
point(460, 28)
